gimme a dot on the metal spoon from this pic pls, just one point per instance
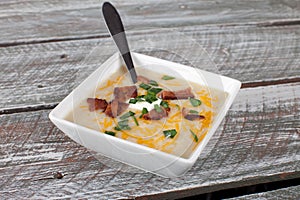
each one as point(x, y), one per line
point(116, 29)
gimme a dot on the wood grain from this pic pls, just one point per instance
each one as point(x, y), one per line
point(32, 20)
point(258, 142)
point(285, 193)
point(43, 74)
point(43, 47)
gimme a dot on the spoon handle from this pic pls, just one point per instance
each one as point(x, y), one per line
point(116, 29)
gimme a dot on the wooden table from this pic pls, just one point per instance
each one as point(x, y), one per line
point(43, 44)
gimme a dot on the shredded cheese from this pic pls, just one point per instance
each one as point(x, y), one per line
point(172, 118)
point(206, 100)
point(110, 83)
point(124, 136)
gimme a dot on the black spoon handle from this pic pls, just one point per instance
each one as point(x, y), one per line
point(116, 29)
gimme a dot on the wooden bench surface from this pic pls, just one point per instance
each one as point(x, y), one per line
point(43, 46)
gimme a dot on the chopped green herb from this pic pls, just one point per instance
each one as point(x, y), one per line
point(140, 98)
point(150, 93)
point(133, 101)
point(152, 82)
point(164, 104)
point(155, 90)
point(123, 122)
point(135, 121)
point(166, 77)
point(126, 115)
point(110, 133)
point(145, 86)
point(194, 136)
point(157, 108)
point(150, 97)
point(117, 128)
point(177, 106)
point(193, 112)
point(195, 102)
point(144, 111)
point(123, 125)
point(170, 133)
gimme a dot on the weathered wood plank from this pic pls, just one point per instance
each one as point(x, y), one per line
point(42, 74)
point(257, 143)
point(32, 20)
point(290, 193)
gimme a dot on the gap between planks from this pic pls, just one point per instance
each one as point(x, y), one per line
point(227, 190)
point(270, 82)
point(53, 105)
point(288, 22)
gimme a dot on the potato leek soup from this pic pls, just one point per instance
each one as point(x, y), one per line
point(160, 111)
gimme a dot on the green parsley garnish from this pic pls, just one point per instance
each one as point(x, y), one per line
point(150, 97)
point(137, 99)
point(140, 98)
point(117, 128)
point(110, 133)
point(145, 86)
point(164, 104)
point(194, 136)
point(123, 125)
point(133, 101)
point(144, 111)
point(152, 82)
point(157, 108)
point(170, 133)
point(166, 77)
point(126, 115)
point(135, 120)
point(155, 90)
point(193, 112)
point(123, 122)
point(195, 102)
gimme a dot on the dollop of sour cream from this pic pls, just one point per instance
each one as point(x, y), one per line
point(143, 104)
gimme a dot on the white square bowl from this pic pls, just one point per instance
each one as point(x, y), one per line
point(148, 159)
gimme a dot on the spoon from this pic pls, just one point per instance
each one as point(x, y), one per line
point(117, 32)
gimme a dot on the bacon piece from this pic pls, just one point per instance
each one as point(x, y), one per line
point(108, 111)
point(143, 79)
point(190, 116)
point(96, 104)
point(115, 108)
point(154, 115)
point(124, 93)
point(179, 94)
point(168, 110)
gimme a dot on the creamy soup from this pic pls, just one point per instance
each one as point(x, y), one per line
point(160, 111)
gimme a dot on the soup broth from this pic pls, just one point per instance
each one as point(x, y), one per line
point(166, 113)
